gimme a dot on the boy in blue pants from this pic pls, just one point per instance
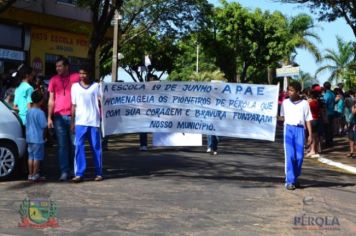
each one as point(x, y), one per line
point(85, 123)
point(296, 113)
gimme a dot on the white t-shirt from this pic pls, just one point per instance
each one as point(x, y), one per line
point(296, 113)
point(87, 105)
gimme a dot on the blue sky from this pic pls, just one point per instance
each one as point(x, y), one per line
point(327, 31)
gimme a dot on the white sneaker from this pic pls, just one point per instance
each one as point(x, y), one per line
point(215, 153)
point(208, 150)
point(36, 177)
point(143, 148)
point(64, 177)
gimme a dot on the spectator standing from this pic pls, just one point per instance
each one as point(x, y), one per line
point(35, 128)
point(22, 98)
point(315, 111)
point(352, 133)
point(329, 99)
point(59, 114)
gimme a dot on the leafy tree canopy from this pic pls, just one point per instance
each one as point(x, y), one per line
point(330, 10)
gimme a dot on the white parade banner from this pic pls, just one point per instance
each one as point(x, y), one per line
point(223, 109)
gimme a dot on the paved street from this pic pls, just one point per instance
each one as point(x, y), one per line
point(185, 191)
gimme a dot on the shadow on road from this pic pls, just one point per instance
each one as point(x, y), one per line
point(253, 163)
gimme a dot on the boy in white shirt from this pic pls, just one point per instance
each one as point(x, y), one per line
point(85, 122)
point(296, 113)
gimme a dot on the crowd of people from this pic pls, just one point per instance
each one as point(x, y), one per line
point(72, 111)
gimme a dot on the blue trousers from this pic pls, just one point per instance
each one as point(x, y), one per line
point(294, 152)
point(143, 139)
point(65, 143)
point(93, 134)
point(213, 142)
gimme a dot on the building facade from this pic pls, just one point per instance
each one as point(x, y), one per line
point(37, 32)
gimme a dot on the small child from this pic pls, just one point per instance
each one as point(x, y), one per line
point(36, 123)
point(296, 113)
point(85, 123)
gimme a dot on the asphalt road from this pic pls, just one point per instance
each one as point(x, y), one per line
point(185, 191)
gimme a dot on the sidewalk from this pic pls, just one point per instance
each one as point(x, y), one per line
point(336, 156)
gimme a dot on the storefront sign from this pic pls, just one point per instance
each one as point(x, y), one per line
point(12, 54)
point(51, 42)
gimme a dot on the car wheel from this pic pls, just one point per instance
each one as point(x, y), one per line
point(8, 157)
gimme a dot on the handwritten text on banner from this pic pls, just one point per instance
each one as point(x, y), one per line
point(224, 109)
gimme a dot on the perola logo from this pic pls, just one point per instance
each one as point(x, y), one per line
point(38, 211)
point(306, 222)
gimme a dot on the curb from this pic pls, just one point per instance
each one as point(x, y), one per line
point(340, 165)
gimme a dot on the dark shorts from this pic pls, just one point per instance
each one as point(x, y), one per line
point(351, 133)
point(337, 114)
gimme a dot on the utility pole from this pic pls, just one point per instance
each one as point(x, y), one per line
point(197, 63)
point(114, 69)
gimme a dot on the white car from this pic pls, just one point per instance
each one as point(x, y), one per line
point(12, 142)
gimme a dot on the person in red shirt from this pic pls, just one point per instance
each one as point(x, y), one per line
point(59, 114)
point(315, 111)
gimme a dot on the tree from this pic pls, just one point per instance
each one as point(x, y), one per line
point(164, 17)
point(207, 76)
point(300, 33)
point(243, 40)
point(184, 64)
point(306, 80)
point(340, 62)
point(330, 10)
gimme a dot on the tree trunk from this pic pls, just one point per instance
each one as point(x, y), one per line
point(244, 72)
point(269, 75)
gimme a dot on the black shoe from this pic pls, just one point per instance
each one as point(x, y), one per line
point(290, 186)
point(297, 184)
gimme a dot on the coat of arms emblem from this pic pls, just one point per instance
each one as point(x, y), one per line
point(38, 211)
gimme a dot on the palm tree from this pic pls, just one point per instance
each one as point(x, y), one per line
point(299, 36)
point(340, 62)
point(306, 80)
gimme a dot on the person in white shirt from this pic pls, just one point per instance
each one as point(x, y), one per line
point(296, 113)
point(85, 123)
